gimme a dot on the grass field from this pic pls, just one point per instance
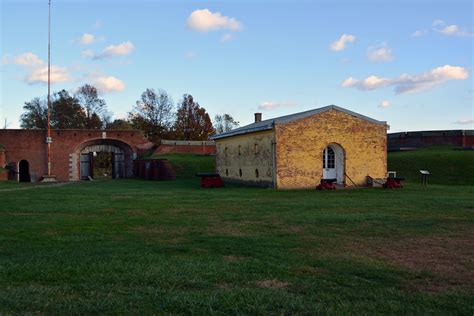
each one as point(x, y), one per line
point(446, 165)
point(138, 247)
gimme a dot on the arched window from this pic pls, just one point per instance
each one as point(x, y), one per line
point(256, 173)
point(226, 172)
point(240, 150)
point(328, 158)
point(240, 172)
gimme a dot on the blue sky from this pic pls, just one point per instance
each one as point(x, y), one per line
point(405, 62)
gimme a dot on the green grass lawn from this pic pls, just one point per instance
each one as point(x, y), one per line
point(142, 247)
point(446, 165)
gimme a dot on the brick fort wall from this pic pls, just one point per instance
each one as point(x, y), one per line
point(30, 145)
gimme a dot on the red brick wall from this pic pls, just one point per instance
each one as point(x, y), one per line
point(3, 173)
point(3, 160)
point(458, 138)
point(202, 149)
point(30, 145)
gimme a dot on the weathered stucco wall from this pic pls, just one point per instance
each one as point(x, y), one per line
point(300, 145)
point(252, 163)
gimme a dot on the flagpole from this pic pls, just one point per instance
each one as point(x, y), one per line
point(49, 177)
point(48, 141)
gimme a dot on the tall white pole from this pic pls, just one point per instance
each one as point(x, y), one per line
point(48, 140)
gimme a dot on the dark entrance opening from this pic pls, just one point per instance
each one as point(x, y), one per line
point(102, 165)
point(105, 159)
point(24, 171)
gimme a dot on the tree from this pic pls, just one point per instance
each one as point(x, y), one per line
point(224, 123)
point(120, 124)
point(66, 112)
point(35, 114)
point(153, 114)
point(93, 105)
point(192, 121)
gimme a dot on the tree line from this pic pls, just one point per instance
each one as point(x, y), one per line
point(155, 113)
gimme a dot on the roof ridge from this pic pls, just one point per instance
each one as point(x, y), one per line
point(269, 123)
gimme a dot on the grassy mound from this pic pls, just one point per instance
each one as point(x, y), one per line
point(187, 165)
point(445, 164)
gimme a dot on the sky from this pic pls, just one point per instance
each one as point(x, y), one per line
point(405, 62)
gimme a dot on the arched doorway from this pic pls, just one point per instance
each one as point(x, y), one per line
point(333, 163)
point(24, 171)
point(105, 159)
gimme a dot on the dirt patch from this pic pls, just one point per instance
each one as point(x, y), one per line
point(38, 186)
point(272, 284)
point(158, 234)
point(234, 258)
point(136, 212)
point(293, 229)
point(121, 197)
point(309, 270)
point(173, 241)
point(230, 229)
point(449, 259)
point(225, 286)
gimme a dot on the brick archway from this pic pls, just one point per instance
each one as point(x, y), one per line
point(30, 145)
point(123, 163)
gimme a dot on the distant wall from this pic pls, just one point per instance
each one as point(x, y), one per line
point(458, 138)
point(182, 146)
point(30, 145)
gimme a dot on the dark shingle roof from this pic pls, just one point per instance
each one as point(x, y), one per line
point(268, 124)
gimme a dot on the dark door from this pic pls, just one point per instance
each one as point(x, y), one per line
point(86, 166)
point(118, 165)
point(24, 167)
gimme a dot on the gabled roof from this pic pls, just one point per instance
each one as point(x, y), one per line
point(270, 123)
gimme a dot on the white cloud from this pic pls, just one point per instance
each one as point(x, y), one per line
point(226, 37)
point(88, 53)
point(29, 60)
point(37, 70)
point(106, 84)
point(385, 104)
point(406, 83)
point(450, 30)
point(87, 39)
point(271, 105)
point(419, 33)
point(370, 83)
point(430, 79)
point(465, 121)
point(206, 21)
point(190, 55)
point(380, 53)
point(438, 23)
point(40, 75)
point(341, 43)
point(122, 49)
point(6, 59)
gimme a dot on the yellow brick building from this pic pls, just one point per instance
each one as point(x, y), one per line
point(298, 150)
